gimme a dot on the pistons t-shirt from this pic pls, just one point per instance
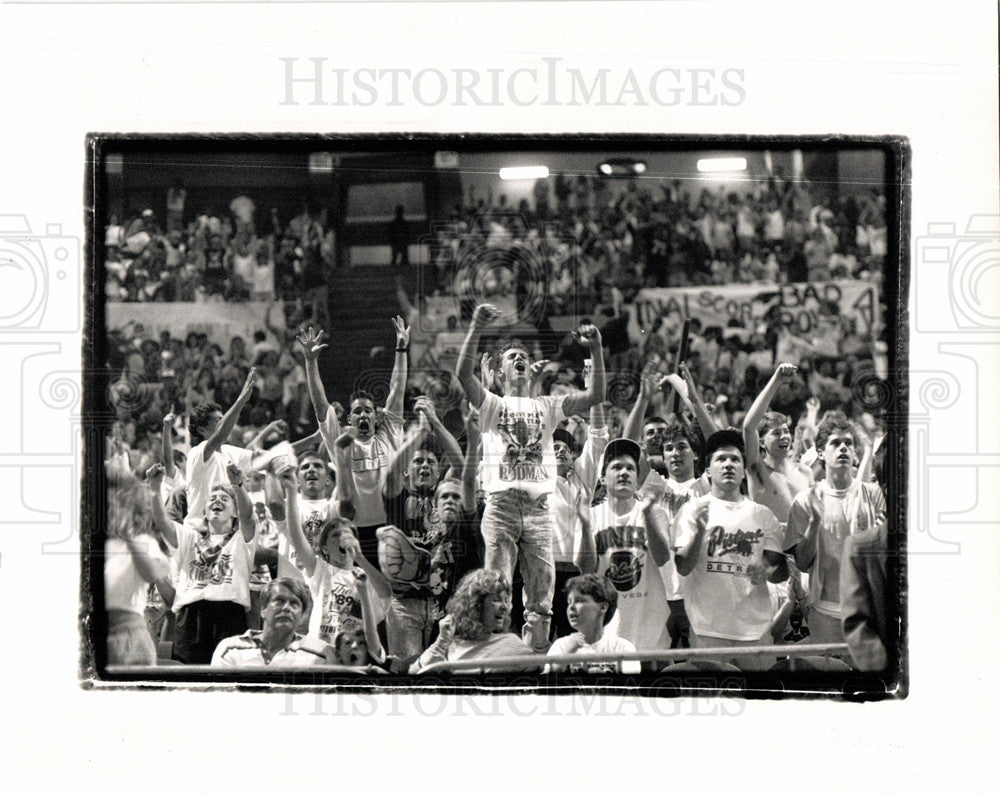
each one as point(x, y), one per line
point(517, 443)
point(623, 560)
point(719, 598)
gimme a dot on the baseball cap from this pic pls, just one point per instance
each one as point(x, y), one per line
point(564, 436)
point(727, 437)
point(618, 447)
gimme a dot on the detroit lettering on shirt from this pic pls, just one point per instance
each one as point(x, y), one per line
point(720, 599)
point(517, 442)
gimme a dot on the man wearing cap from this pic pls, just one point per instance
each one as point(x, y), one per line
point(519, 470)
point(728, 548)
point(627, 546)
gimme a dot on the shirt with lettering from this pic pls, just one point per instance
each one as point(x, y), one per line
point(719, 598)
point(517, 443)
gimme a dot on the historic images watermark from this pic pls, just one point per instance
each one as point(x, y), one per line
point(320, 81)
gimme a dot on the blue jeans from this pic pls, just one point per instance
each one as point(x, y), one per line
point(410, 625)
point(518, 527)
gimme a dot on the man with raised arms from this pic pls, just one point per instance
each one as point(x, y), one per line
point(519, 467)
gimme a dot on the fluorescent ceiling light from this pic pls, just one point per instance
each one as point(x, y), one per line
point(710, 165)
point(524, 172)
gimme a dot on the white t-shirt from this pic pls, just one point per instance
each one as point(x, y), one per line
point(206, 571)
point(124, 587)
point(336, 605)
point(312, 515)
point(517, 443)
point(837, 514)
point(608, 643)
point(673, 495)
point(202, 476)
point(369, 463)
point(578, 484)
point(623, 559)
point(719, 599)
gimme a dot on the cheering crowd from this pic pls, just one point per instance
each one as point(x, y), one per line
point(377, 540)
point(587, 234)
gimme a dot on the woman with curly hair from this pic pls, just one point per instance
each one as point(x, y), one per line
point(476, 625)
point(132, 560)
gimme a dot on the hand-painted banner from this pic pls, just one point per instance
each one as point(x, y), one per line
point(811, 311)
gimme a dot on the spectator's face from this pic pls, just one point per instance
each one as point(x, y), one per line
point(514, 366)
point(363, 417)
point(283, 612)
point(679, 457)
point(423, 470)
point(653, 436)
point(314, 478)
point(335, 551)
point(564, 456)
point(496, 612)
point(622, 476)
point(726, 468)
point(838, 452)
point(353, 649)
point(584, 613)
point(449, 503)
point(778, 441)
point(221, 510)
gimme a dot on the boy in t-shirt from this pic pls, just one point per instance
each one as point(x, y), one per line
point(627, 547)
point(728, 548)
point(822, 517)
point(519, 467)
point(591, 604)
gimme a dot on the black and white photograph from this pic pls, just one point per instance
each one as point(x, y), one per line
point(607, 412)
point(612, 382)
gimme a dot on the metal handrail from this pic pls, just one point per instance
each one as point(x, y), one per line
point(499, 664)
point(721, 654)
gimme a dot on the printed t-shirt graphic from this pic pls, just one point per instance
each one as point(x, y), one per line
point(214, 568)
point(312, 515)
point(624, 561)
point(517, 443)
point(719, 598)
point(336, 605)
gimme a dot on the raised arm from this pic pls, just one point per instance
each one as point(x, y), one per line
point(344, 489)
point(397, 383)
point(470, 467)
point(867, 454)
point(278, 426)
point(229, 419)
point(483, 315)
point(649, 382)
point(244, 508)
point(167, 450)
point(451, 452)
point(151, 569)
point(751, 438)
point(293, 523)
point(585, 556)
point(368, 614)
point(707, 425)
point(578, 402)
point(393, 483)
point(161, 524)
point(312, 343)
